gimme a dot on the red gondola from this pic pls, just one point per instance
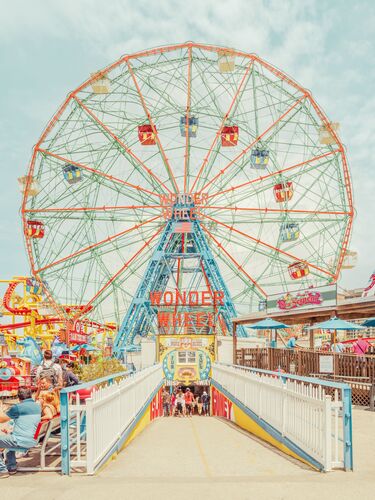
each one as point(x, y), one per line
point(298, 270)
point(34, 229)
point(146, 135)
point(283, 191)
point(229, 136)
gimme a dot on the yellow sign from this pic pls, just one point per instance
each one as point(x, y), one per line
point(187, 358)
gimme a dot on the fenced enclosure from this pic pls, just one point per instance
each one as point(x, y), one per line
point(95, 421)
point(313, 415)
point(357, 371)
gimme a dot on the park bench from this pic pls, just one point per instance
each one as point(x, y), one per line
point(42, 436)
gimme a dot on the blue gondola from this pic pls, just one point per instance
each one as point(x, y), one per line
point(289, 231)
point(72, 174)
point(259, 158)
point(192, 128)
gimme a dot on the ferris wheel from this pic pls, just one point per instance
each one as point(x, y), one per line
point(247, 145)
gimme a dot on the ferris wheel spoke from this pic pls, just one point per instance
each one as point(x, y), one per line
point(187, 115)
point(271, 247)
point(238, 266)
point(273, 174)
point(122, 145)
point(97, 172)
point(274, 210)
point(148, 114)
point(226, 116)
point(105, 208)
point(123, 268)
point(253, 143)
point(89, 248)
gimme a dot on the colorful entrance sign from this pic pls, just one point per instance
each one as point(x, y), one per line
point(187, 359)
point(304, 299)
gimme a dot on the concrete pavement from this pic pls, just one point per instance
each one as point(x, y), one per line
point(204, 457)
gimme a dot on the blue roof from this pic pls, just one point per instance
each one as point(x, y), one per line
point(336, 324)
point(369, 322)
point(268, 324)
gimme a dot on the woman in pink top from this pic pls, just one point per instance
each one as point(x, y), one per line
point(361, 346)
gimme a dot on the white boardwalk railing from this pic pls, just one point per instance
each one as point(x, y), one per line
point(297, 408)
point(96, 427)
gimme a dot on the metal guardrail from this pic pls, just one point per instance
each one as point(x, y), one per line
point(94, 425)
point(297, 410)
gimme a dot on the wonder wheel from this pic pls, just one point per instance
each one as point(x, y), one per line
point(207, 127)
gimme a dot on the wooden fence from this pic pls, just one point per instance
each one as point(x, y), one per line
point(357, 371)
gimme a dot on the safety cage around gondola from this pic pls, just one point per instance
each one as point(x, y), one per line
point(72, 174)
point(147, 134)
point(34, 229)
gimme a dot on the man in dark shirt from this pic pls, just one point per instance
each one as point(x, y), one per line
point(26, 416)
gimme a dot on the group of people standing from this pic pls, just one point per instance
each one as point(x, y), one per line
point(51, 376)
point(185, 404)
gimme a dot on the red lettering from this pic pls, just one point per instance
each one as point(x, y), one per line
point(206, 298)
point(163, 319)
point(218, 297)
point(155, 298)
point(200, 319)
point(168, 298)
point(193, 298)
point(180, 297)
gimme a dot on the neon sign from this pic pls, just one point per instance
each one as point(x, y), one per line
point(289, 301)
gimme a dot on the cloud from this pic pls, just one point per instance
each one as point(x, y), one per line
point(50, 47)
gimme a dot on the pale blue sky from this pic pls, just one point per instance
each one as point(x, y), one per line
point(47, 48)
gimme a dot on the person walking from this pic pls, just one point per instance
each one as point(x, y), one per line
point(206, 403)
point(166, 398)
point(189, 398)
point(199, 404)
point(26, 416)
point(50, 369)
point(180, 404)
point(173, 404)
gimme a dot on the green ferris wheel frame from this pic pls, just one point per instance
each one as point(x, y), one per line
point(99, 233)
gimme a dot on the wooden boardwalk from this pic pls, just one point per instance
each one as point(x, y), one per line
point(204, 457)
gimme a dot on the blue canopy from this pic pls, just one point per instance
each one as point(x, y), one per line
point(268, 324)
point(87, 348)
point(369, 322)
point(336, 324)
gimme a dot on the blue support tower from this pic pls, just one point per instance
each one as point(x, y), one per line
point(140, 319)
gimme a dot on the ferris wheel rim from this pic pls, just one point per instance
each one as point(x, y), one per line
point(190, 45)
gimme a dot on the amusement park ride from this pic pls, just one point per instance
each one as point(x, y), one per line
point(185, 169)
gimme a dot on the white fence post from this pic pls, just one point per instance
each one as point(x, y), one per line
point(297, 408)
point(327, 433)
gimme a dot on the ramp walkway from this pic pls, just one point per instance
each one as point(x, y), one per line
point(210, 458)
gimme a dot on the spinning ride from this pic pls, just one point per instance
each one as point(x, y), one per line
point(185, 167)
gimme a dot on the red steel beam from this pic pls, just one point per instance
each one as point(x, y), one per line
point(166, 162)
point(239, 267)
point(99, 243)
point(267, 245)
point(252, 144)
point(122, 269)
point(267, 176)
point(121, 143)
point(98, 172)
point(221, 125)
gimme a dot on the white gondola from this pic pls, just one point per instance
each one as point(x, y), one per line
point(33, 188)
point(350, 259)
point(101, 83)
point(226, 62)
point(325, 135)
